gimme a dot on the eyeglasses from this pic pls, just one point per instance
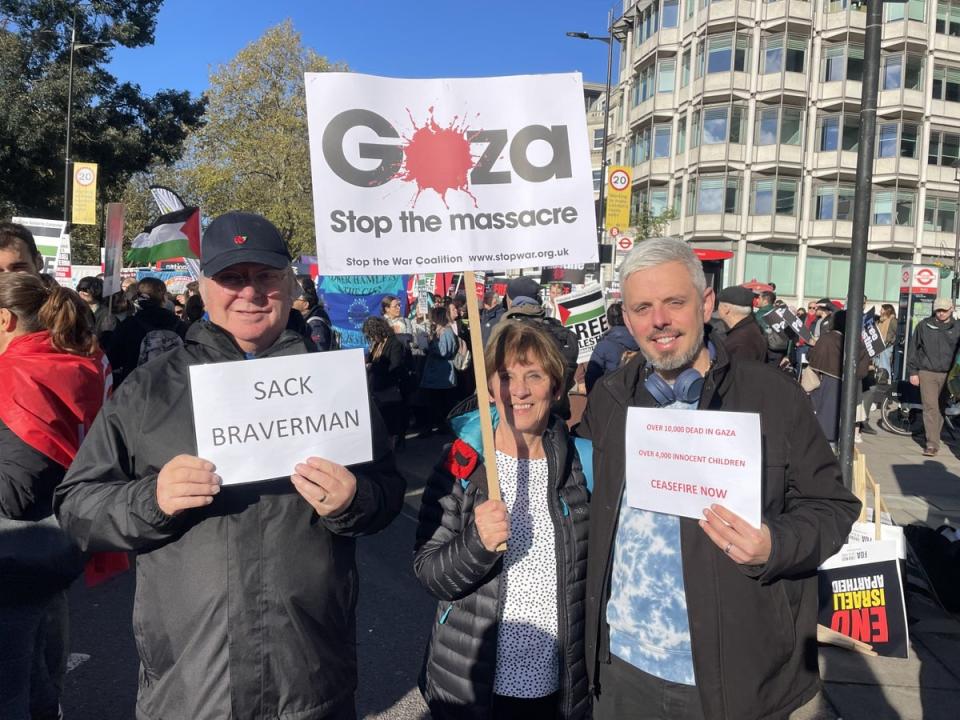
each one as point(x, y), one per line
point(264, 281)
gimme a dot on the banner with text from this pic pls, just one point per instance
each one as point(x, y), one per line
point(449, 174)
point(84, 194)
point(680, 462)
point(256, 419)
point(619, 191)
point(351, 299)
point(584, 313)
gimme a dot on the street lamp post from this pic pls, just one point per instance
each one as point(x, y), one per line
point(608, 39)
point(955, 283)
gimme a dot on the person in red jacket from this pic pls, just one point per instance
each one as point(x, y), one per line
point(55, 379)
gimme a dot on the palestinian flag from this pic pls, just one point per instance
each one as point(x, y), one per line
point(581, 307)
point(174, 235)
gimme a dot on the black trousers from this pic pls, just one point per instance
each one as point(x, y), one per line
point(627, 692)
point(511, 708)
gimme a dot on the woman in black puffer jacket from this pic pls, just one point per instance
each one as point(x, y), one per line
point(508, 636)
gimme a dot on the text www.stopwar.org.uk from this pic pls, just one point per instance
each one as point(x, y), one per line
point(511, 257)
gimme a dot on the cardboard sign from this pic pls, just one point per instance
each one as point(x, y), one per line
point(782, 318)
point(256, 419)
point(861, 595)
point(584, 313)
point(871, 335)
point(619, 189)
point(449, 174)
point(682, 461)
point(84, 195)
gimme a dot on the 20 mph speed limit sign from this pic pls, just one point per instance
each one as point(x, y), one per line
point(618, 197)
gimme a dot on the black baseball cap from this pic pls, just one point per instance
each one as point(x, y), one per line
point(239, 237)
point(523, 286)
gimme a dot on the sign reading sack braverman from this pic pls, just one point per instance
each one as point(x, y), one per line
point(442, 175)
point(256, 419)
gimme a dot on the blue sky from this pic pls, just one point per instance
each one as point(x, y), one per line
point(417, 38)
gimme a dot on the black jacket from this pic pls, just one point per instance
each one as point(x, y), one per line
point(608, 355)
point(746, 341)
point(123, 349)
point(753, 629)
point(244, 608)
point(933, 345)
point(36, 558)
point(454, 566)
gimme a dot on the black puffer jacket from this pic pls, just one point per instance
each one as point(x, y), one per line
point(452, 563)
point(245, 609)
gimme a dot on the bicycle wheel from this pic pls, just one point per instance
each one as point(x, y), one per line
point(895, 418)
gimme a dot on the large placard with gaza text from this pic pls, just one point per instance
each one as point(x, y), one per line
point(415, 176)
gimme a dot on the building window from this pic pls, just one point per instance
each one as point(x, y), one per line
point(776, 58)
point(661, 141)
point(779, 124)
point(724, 53)
point(948, 18)
point(944, 148)
point(666, 74)
point(598, 139)
point(695, 129)
point(670, 15)
point(909, 134)
point(685, 69)
point(946, 83)
point(714, 196)
point(912, 10)
point(842, 61)
point(902, 71)
point(677, 198)
point(841, 6)
point(681, 135)
point(940, 214)
point(659, 199)
point(774, 197)
point(597, 177)
point(836, 132)
point(834, 202)
point(648, 22)
point(722, 124)
point(887, 140)
point(893, 208)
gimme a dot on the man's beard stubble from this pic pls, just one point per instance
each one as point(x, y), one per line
point(676, 362)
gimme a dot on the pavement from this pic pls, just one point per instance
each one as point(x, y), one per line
point(925, 685)
point(395, 613)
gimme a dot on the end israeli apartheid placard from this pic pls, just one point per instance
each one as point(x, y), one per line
point(584, 313)
point(680, 462)
point(256, 419)
point(449, 174)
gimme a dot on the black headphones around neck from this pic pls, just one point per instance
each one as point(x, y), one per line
point(686, 388)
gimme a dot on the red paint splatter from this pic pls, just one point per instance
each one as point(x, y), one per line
point(438, 158)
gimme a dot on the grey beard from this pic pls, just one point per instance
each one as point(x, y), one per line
point(677, 362)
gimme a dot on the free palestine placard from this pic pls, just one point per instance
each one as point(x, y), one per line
point(682, 461)
point(256, 419)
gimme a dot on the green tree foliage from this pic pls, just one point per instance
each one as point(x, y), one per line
point(114, 123)
point(252, 154)
point(645, 224)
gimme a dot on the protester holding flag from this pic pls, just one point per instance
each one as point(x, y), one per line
point(246, 594)
point(615, 347)
point(508, 641)
point(54, 380)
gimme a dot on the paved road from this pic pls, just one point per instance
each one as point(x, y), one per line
point(393, 622)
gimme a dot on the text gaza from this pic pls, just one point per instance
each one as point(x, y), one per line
point(389, 157)
point(692, 430)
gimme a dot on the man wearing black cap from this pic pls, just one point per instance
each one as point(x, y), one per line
point(744, 338)
point(246, 594)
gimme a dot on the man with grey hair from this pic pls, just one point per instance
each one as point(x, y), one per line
point(744, 339)
point(713, 618)
point(246, 594)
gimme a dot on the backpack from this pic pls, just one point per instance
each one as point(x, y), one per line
point(157, 342)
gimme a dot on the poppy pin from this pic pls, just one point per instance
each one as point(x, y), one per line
point(239, 239)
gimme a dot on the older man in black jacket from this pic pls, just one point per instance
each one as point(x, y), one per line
point(744, 339)
point(246, 595)
point(713, 619)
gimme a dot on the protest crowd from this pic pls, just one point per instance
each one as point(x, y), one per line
point(556, 596)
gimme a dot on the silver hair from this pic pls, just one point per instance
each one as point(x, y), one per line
point(659, 251)
point(737, 309)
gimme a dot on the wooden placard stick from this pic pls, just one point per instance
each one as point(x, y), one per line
point(483, 392)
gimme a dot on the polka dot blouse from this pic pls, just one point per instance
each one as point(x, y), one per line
point(527, 654)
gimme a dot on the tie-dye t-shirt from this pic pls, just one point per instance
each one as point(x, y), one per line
point(647, 610)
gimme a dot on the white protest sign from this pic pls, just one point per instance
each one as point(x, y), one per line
point(585, 314)
point(682, 461)
point(256, 419)
point(449, 174)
